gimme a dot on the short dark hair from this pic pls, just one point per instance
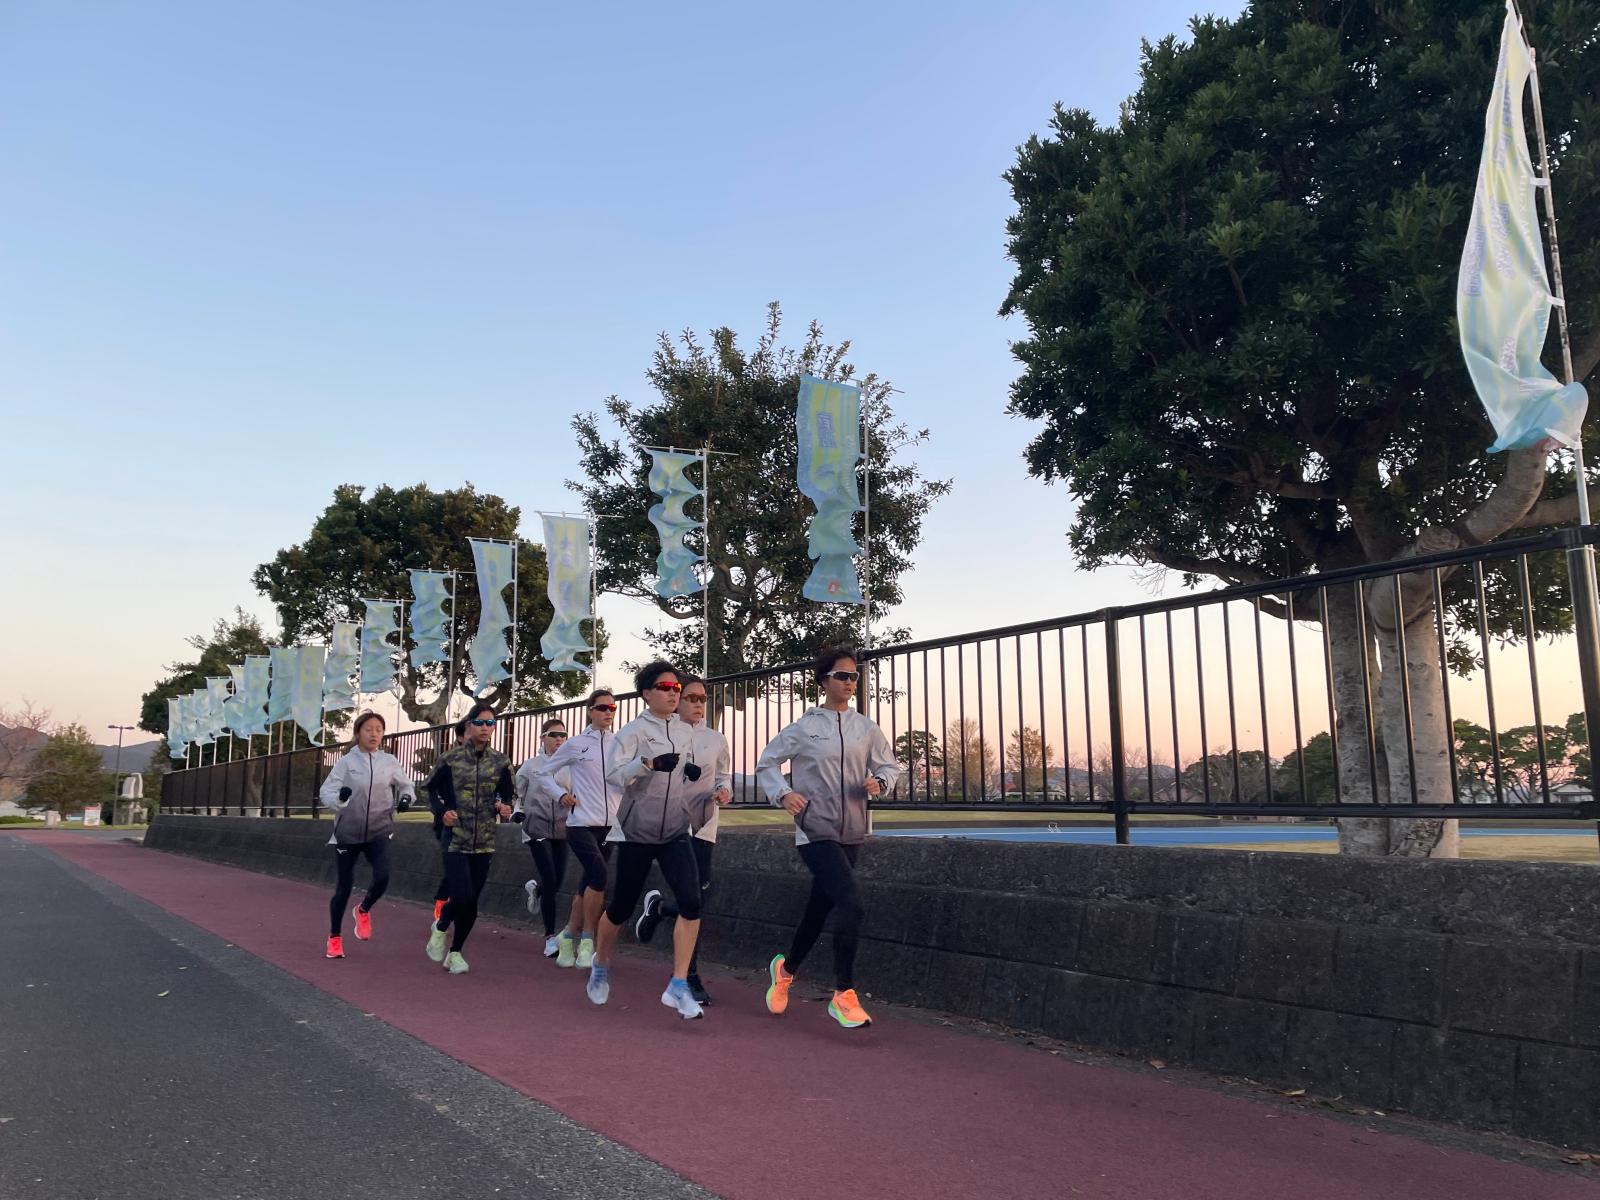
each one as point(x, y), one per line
point(480, 706)
point(827, 659)
point(652, 671)
point(551, 724)
point(369, 715)
point(596, 694)
point(461, 729)
point(688, 677)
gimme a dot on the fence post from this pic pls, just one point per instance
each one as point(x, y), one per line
point(1119, 774)
point(1586, 629)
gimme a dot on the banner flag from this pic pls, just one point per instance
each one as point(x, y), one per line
point(675, 564)
point(257, 686)
point(344, 656)
point(233, 708)
point(828, 423)
point(216, 697)
point(497, 568)
point(566, 551)
point(306, 705)
point(377, 651)
point(427, 617)
point(1503, 297)
point(280, 686)
point(177, 740)
point(200, 717)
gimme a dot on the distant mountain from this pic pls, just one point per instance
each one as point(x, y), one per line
point(135, 756)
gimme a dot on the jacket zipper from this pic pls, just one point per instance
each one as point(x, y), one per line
point(844, 802)
point(667, 799)
point(366, 820)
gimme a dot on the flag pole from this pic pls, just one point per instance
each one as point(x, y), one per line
point(1544, 185)
point(705, 532)
point(516, 545)
point(450, 656)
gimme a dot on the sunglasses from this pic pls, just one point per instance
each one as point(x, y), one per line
point(844, 676)
point(603, 707)
point(556, 734)
point(695, 697)
point(669, 687)
point(481, 723)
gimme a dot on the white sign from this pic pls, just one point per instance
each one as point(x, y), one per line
point(91, 815)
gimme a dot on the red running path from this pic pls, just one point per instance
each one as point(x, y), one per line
point(749, 1105)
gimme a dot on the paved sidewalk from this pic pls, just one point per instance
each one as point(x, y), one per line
point(747, 1105)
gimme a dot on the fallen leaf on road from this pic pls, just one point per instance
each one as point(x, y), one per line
point(161, 994)
point(1158, 1064)
point(4, 1120)
point(1579, 1158)
point(1296, 1092)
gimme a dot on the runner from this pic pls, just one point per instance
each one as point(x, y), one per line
point(474, 785)
point(544, 832)
point(363, 790)
point(837, 759)
point(591, 801)
point(653, 827)
point(707, 750)
point(440, 833)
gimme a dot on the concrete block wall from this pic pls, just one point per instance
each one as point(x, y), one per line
point(1459, 991)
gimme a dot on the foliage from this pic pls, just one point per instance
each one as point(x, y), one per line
point(742, 404)
point(231, 640)
point(68, 772)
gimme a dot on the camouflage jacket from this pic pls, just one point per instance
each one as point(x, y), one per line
point(469, 782)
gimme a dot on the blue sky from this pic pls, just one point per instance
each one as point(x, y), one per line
point(249, 252)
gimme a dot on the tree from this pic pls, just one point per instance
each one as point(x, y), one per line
point(1246, 785)
point(1315, 758)
point(1508, 768)
point(22, 733)
point(1027, 761)
point(365, 547)
point(230, 642)
point(67, 772)
point(921, 760)
point(743, 406)
point(1240, 301)
point(970, 771)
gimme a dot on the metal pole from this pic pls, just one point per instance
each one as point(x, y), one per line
point(1544, 185)
point(515, 621)
point(866, 527)
point(116, 770)
point(1586, 630)
point(594, 621)
point(1119, 782)
point(705, 513)
point(450, 656)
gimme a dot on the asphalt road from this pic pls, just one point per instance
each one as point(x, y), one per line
point(239, 1081)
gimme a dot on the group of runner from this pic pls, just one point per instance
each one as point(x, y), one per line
point(647, 794)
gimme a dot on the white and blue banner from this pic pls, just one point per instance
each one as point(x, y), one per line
point(177, 735)
point(305, 705)
point(382, 622)
point(1503, 296)
point(257, 687)
point(828, 425)
point(429, 632)
point(496, 563)
point(280, 683)
point(344, 657)
point(675, 564)
point(567, 561)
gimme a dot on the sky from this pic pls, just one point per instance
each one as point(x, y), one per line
point(251, 252)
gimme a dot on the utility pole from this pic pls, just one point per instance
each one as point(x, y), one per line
point(116, 771)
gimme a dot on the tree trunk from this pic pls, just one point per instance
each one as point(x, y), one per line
point(1357, 783)
point(1428, 736)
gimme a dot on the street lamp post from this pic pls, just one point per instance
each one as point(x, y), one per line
point(116, 771)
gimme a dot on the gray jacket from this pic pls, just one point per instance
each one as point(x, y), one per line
point(377, 783)
point(655, 804)
point(830, 756)
point(543, 816)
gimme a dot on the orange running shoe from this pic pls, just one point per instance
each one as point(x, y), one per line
point(778, 993)
point(438, 910)
point(363, 925)
point(846, 1009)
point(335, 947)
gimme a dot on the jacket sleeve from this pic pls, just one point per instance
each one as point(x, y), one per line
point(504, 790)
point(404, 788)
point(545, 768)
point(329, 792)
point(523, 781)
point(444, 788)
point(627, 766)
point(881, 760)
point(724, 767)
point(769, 769)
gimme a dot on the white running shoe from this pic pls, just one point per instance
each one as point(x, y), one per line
point(532, 888)
point(552, 946)
point(437, 944)
point(586, 953)
point(598, 988)
point(681, 999)
point(455, 964)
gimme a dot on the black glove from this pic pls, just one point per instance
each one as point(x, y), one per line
point(692, 772)
point(344, 794)
point(518, 817)
point(663, 762)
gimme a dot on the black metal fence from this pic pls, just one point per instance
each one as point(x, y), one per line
point(1462, 684)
